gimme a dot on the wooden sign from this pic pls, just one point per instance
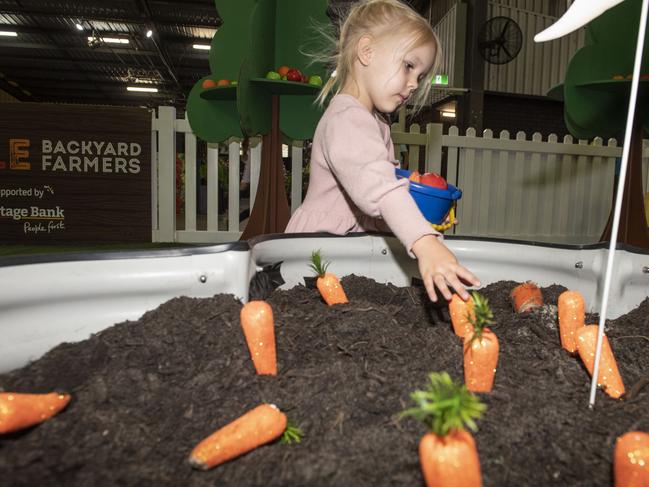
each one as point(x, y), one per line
point(74, 173)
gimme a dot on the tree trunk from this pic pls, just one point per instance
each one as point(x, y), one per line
point(633, 221)
point(271, 213)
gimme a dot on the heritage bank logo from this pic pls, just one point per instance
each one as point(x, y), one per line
point(85, 156)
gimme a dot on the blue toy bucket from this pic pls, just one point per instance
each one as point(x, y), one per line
point(434, 203)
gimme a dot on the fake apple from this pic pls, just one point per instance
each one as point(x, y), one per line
point(433, 180)
point(315, 80)
point(273, 75)
point(294, 74)
point(208, 83)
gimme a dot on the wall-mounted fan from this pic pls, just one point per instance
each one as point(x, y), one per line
point(500, 40)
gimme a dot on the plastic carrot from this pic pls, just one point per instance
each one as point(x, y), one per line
point(526, 297)
point(20, 410)
point(480, 348)
point(257, 427)
point(461, 315)
point(609, 375)
point(259, 329)
point(328, 284)
point(631, 460)
point(447, 453)
point(572, 316)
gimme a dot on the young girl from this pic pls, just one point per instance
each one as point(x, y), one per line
point(385, 56)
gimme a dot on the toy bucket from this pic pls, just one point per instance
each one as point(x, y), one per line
point(434, 203)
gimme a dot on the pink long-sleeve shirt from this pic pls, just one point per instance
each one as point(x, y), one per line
point(352, 186)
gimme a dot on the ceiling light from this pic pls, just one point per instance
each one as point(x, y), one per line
point(8, 33)
point(78, 26)
point(142, 88)
point(205, 47)
point(111, 40)
point(448, 114)
point(149, 33)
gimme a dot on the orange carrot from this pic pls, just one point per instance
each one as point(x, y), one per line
point(631, 460)
point(572, 316)
point(328, 284)
point(447, 453)
point(526, 297)
point(415, 177)
point(481, 349)
point(257, 427)
point(19, 410)
point(461, 315)
point(450, 461)
point(609, 375)
point(259, 329)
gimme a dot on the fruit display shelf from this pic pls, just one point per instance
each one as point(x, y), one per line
point(282, 87)
point(220, 93)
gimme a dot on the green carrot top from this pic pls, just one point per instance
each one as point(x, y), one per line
point(445, 405)
point(317, 265)
point(482, 314)
point(292, 434)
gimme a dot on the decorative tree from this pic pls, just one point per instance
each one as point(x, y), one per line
point(596, 95)
point(257, 36)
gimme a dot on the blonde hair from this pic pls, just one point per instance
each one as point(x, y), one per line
point(380, 19)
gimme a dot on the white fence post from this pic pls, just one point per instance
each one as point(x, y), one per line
point(233, 186)
point(167, 173)
point(190, 178)
point(154, 177)
point(212, 187)
point(433, 152)
point(296, 177)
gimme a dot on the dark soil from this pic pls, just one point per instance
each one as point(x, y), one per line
point(145, 392)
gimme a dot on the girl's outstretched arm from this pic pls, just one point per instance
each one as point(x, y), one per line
point(439, 268)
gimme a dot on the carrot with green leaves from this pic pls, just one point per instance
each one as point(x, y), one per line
point(481, 348)
point(461, 315)
point(631, 460)
point(259, 426)
point(572, 317)
point(526, 296)
point(327, 283)
point(22, 410)
point(608, 376)
point(447, 453)
point(259, 330)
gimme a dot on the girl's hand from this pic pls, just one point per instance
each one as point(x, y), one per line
point(439, 268)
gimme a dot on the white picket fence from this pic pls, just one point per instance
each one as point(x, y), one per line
point(554, 190)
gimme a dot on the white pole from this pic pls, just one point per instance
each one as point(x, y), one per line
point(618, 197)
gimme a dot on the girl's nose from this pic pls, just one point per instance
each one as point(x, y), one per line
point(412, 85)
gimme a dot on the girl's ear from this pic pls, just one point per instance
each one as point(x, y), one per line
point(364, 50)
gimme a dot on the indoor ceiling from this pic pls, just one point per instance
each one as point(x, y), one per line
point(62, 51)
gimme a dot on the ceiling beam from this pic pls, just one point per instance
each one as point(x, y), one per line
point(15, 91)
point(12, 44)
point(30, 30)
point(79, 15)
point(27, 76)
point(72, 85)
point(49, 63)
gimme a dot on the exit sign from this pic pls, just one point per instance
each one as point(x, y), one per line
point(440, 79)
